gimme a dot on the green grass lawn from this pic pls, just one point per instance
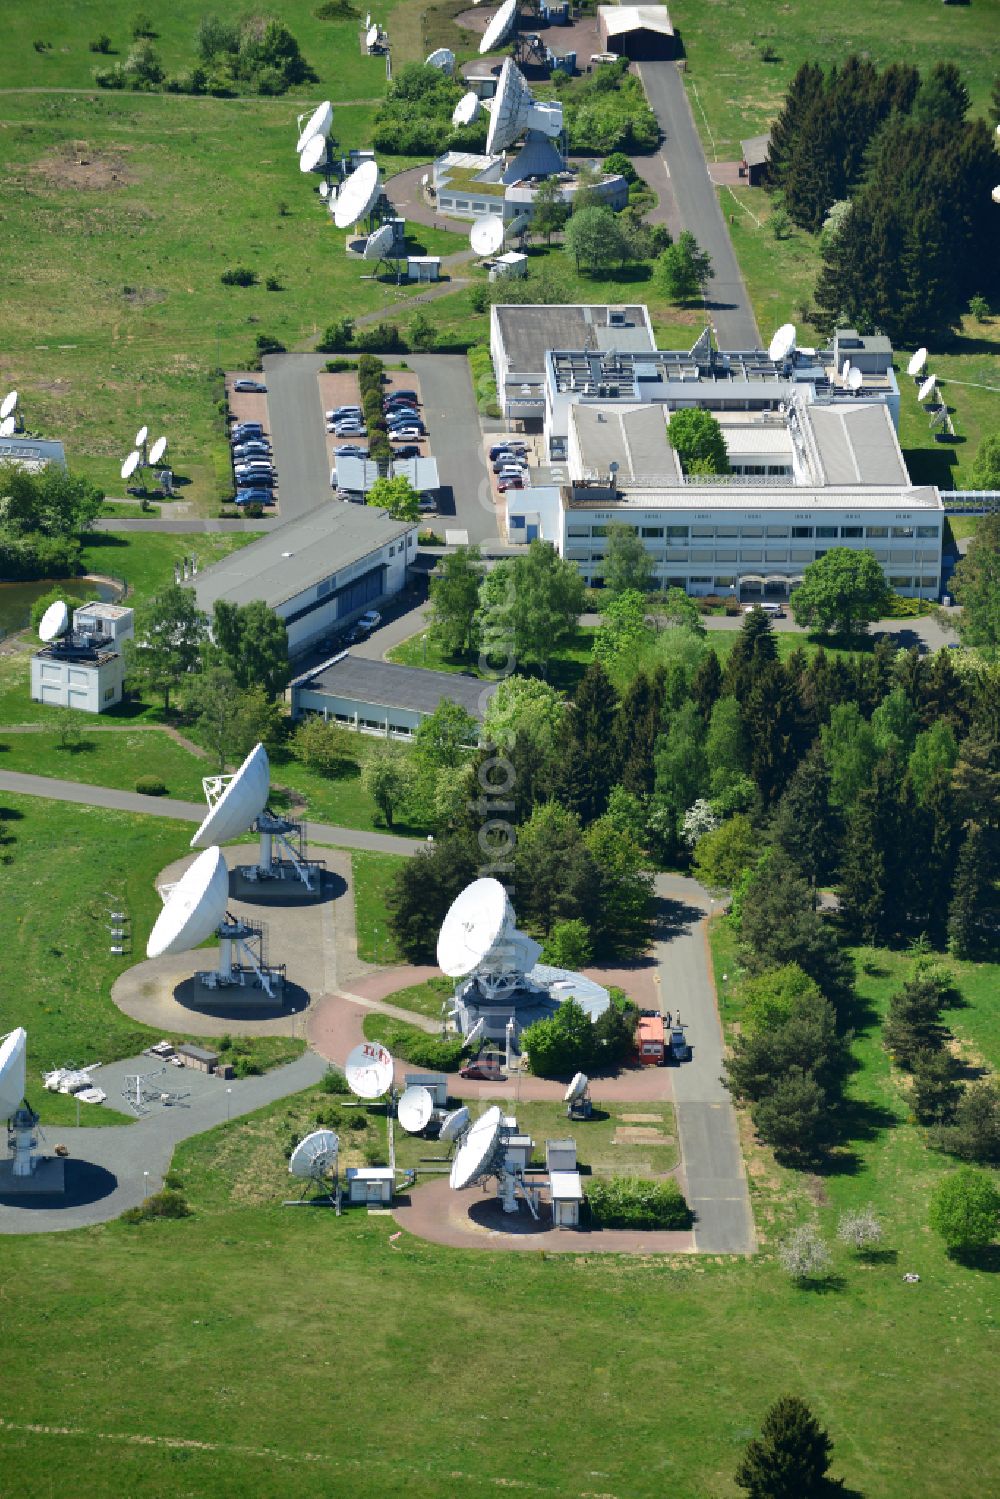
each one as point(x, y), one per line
point(338, 799)
point(424, 999)
point(372, 875)
point(145, 559)
point(108, 758)
point(565, 669)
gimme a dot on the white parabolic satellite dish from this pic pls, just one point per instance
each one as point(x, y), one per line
point(368, 1070)
point(378, 245)
point(500, 28)
point(782, 343)
point(577, 1088)
point(319, 122)
point(313, 1156)
point(995, 194)
point(486, 234)
point(13, 1075)
point(157, 451)
point(855, 378)
point(140, 436)
point(475, 923)
point(926, 388)
point(917, 363)
point(8, 426)
point(372, 36)
point(511, 108)
point(240, 804)
point(54, 621)
point(479, 1150)
point(455, 1124)
point(9, 405)
point(194, 908)
point(414, 1109)
point(130, 465)
point(443, 58)
point(313, 154)
point(357, 196)
point(467, 110)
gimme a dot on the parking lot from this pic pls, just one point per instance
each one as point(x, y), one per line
point(250, 442)
point(338, 391)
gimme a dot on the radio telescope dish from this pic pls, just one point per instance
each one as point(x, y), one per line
point(500, 28)
point(486, 235)
point(372, 36)
point(194, 908)
point(357, 196)
point(467, 110)
point(8, 426)
point(368, 1070)
point(378, 245)
point(9, 405)
point(157, 451)
point(476, 920)
point(511, 106)
point(917, 363)
point(782, 344)
point(13, 1071)
point(577, 1088)
point(53, 621)
point(454, 1125)
point(320, 122)
point(131, 464)
point(926, 388)
point(240, 803)
point(313, 1156)
point(415, 1109)
point(480, 1149)
point(313, 154)
point(443, 58)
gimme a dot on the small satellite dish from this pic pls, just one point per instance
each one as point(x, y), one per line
point(157, 451)
point(324, 189)
point(443, 58)
point(476, 920)
point(479, 1150)
point(917, 363)
point(54, 621)
point(855, 378)
point(131, 464)
point(372, 36)
point(368, 1070)
point(240, 804)
point(320, 122)
point(926, 388)
point(500, 28)
point(517, 226)
point(467, 110)
point(194, 908)
point(357, 196)
point(313, 1157)
point(415, 1109)
point(140, 436)
point(8, 405)
point(8, 426)
point(378, 245)
point(486, 234)
point(313, 154)
point(782, 344)
point(454, 1125)
point(577, 1088)
point(13, 1071)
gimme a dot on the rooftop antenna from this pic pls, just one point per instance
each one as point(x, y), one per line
point(314, 1160)
point(782, 345)
point(54, 622)
point(482, 1155)
point(238, 803)
point(855, 379)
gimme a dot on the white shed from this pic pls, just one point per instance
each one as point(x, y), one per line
point(566, 1194)
point(371, 1184)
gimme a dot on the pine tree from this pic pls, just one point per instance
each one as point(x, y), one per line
point(812, 175)
point(754, 647)
point(863, 875)
point(803, 91)
point(973, 915)
point(790, 1458)
point(706, 685)
point(995, 100)
point(772, 715)
point(590, 768)
point(637, 728)
point(933, 867)
point(806, 824)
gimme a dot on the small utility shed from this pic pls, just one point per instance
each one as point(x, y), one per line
point(566, 1195)
point(642, 32)
point(198, 1057)
point(754, 164)
point(372, 1184)
point(379, 697)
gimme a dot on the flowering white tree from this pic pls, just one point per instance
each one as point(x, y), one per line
point(860, 1229)
point(803, 1255)
point(699, 819)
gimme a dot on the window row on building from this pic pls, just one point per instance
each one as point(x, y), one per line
point(796, 532)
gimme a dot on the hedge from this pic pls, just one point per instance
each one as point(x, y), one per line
point(632, 1202)
point(413, 1044)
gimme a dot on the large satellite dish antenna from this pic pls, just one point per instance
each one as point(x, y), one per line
point(855, 378)
point(926, 388)
point(313, 154)
point(443, 58)
point(131, 464)
point(140, 436)
point(379, 244)
point(357, 196)
point(415, 1109)
point(8, 426)
point(917, 363)
point(467, 110)
point(194, 908)
point(455, 1124)
point(9, 405)
point(782, 344)
point(511, 107)
point(480, 1151)
point(499, 30)
point(54, 621)
point(476, 920)
point(157, 451)
point(577, 1088)
point(320, 123)
point(368, 1070)
point(371, 37)
point(13, 1071)
point(242, 799)
point(313, 1157)
point(486, 234)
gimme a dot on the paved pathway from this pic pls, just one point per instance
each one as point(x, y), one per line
point(698, 206)
point(298, 431)
point(706, 1119)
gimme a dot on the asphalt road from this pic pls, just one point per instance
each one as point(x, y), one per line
point(298, 432)
point(706, 1119)
point(698, 205)
point(456, 442)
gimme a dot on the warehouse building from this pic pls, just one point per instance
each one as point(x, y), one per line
point(642, 32)
point(379, 697)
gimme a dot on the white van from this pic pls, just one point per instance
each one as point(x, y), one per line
point(776, 611)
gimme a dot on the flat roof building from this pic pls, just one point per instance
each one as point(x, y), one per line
point(32, 453)
point(522, 334)
point(380, 697)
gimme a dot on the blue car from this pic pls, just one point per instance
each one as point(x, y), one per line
point(254, 497)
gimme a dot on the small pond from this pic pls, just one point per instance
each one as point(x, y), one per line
point(16, 599)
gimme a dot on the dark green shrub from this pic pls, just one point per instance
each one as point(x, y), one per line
point(101, 43)
point(334, 1081)
point(238, 275)
point(247, 1067)
point(150, 786)
point(631, 1202)
point(339, 366)
point(166, 1204)
point(413, 1044)
point(273, 284)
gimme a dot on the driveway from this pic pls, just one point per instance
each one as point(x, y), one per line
point(456, 442)
point(298, 433)
point(706, 1119)
point(698, 206)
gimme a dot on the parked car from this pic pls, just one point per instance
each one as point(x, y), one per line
point(363, 627)
point(426, 505)
point(339, 411)
point(403, 418)
point(263, 465)
point(406, 450)
point(680, 1051)
point(504, 484)
point(247, 429)
point(251, 450)
point(249, 475)
point(350, 429)
point(350, 450)
point(406, 434)
point(484, 1072)
point(509, 460)
point(512, 471)
point(255, 496)
point(774, 610)
point(254, 385)
point(403, 395)
point(506, 447)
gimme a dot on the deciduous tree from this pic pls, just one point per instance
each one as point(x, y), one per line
point(843, 590)
point(454, 595)
point(170, 631)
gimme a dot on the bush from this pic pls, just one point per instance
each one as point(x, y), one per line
point(247, 1067)
point(337, 335)
point(265, 344)
point(336, 10)
point(340, 366)
point(414, 1045)
point(334, 1081)
point(239, 275)
point(101, 44)
point(384, 336)
point(632, 1202)
point(965, 1210)
point(169, 1203)
point(150, 786)
point(804, 1256)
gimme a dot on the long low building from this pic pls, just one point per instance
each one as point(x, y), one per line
point(379, 697)
point(355, 476)
point(318, 572)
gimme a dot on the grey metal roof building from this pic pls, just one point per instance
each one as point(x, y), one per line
point(357, 475)
point(31, 453)
point(381, 697)
point(521, 335)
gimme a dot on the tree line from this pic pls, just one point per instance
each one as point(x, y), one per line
point(43, 517)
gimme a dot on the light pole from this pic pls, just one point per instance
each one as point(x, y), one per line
point(145, 1184)
point(229, 1095)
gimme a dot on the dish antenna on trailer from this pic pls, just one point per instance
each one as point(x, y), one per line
point(442, 58)
point(487, 234)
point(414, 1109)
point(320, 123)
point(130, 465)
point(782, 345)
point(54, 622)
point(358, 196)
point(926, 388)
point(157, 451)
point(500, 28)
point(8, 405)
point(238, 803)
point(855, 379)
point(369, 1070)
point(467, 110)
point(917, 362)
point(479, 936)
